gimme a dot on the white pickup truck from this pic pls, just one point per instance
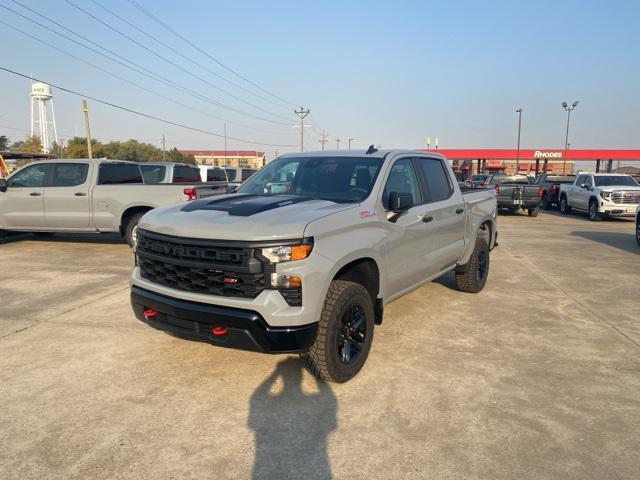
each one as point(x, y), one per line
point(601, 195)
point(45, 197)
point(304, 257)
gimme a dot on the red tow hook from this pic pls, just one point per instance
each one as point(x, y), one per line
point(218, 330)
point(149, 313)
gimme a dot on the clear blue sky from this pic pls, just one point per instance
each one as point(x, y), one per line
point(388, 73)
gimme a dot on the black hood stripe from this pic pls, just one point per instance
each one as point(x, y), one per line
point(243, 205)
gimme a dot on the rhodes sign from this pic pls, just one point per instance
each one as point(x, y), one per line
point(539, 154)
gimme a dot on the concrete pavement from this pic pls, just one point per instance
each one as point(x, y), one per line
point(536, 377)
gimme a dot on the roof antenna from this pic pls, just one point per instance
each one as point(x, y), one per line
point(371, 150)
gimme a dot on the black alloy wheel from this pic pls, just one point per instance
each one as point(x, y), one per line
point(352, 334)
point(482, 266)
point(638, 231)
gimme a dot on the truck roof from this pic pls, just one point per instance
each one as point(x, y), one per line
point(86, 160)
point(361, 153)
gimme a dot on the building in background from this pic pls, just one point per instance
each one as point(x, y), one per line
point(228, 158)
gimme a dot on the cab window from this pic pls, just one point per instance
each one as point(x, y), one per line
point(69, 174)
point(32, 176)
point(402, 179)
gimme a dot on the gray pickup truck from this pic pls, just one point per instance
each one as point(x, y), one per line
point(515, 192)
point(306, 254)
point(46, 197)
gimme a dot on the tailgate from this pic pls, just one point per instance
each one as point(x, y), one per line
point(211, 189)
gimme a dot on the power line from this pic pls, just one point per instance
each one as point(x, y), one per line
point(193, 61)
point(141, 45)
point(137, 85)
point(142, 114)
point(177, 34)
point(150, 74)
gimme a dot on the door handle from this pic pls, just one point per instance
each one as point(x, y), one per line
point(80, 194)
point(459, 210)
point(35, 194)
point(427, 218)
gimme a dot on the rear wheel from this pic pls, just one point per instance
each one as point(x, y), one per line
point(472, 277)
point(594, 216)
point(533, 212)
point(564, 206)
point(545, 203)
point(345, 333)
point(638, 231)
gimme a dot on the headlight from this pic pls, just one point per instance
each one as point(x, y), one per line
point(287, 253)
point(605, 195)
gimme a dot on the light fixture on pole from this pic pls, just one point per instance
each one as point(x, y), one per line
point(519, 112)
point(350, 140)
point(568, 108)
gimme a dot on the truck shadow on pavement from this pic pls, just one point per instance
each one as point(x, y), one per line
point(619, 240)
point(291, 426)
point(95, 238)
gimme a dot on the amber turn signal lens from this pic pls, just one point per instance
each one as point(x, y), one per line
point(298, 252)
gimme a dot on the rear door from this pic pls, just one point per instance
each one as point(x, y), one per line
point(445, 206)
point(22, 205)
point(66, 196)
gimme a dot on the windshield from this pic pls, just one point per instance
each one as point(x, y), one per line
point(338, 179)
point(615, 181)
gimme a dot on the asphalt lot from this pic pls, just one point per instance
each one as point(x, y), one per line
point(537, 377)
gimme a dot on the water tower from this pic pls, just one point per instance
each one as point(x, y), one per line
point(42, 100)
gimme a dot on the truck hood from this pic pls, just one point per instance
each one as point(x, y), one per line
point(619, 188)
point(240, 217)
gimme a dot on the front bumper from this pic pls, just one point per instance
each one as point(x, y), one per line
point(617, 210)
point(245, 329)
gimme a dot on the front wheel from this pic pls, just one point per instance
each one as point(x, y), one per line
point(638, 231)
point(594, 216)
point(472, 277)
point(131, 229)
point(564, 206)
point(345, 333)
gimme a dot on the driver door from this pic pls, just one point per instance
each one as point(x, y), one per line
point(407, 246)
point(22, 205)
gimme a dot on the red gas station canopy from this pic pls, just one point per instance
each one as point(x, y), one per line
point(531, 154)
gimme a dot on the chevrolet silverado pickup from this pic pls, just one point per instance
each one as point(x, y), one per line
point(515, 192)
point(601, 195)
point(304, 256)
point(52, 196)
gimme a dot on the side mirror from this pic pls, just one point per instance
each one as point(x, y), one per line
point(232, 188)
point(399, 202)
point(585, 186)
point(3, 185)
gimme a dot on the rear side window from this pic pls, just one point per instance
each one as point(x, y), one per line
point(247, 172)
point(184, 174)
point(32, 176)
point(216, 175)
point(69, 174)
point(231, 174)
point(434, 179)
point(153, 173)
point(117, 173)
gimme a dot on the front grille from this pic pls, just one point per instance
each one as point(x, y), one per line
point(199, 266)
point(629, 198)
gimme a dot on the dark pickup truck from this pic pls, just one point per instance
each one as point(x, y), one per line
point(514, 192)
point(549, 188)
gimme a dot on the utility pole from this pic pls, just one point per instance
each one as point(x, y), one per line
point(337, 143)
point(164, 148)
point(350, 140)
point(301, 113)
point(85, 111)
point(225, 144)
point(519, 112)
point(568, 108)
point(324, 138)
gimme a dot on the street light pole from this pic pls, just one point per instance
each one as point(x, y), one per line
point(350, 140)
point(568, 108)
point(519, 112)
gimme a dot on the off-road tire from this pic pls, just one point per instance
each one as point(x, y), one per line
point(564, 205)
point(468, 277)
point(130, 229)
point(594, 216)
point(638, 231)
point(533, 212)
point(323, 358)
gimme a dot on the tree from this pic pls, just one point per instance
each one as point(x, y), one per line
point(4, 142)
point(174, 155)
point(30, 145)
